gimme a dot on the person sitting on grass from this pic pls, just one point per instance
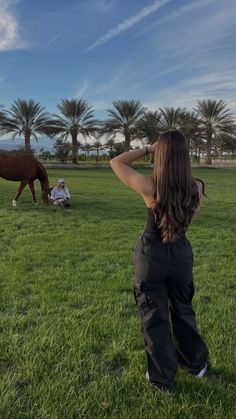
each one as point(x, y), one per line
point(60, 194)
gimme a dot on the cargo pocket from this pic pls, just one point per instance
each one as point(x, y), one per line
point(143, 299)
point(146, 246)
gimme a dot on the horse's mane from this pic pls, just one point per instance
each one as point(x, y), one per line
point(43, 176)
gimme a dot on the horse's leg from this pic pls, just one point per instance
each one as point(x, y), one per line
point(31, 186)
point(19, 192)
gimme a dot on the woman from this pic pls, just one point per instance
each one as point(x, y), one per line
point(163, 284)
point(60, 194)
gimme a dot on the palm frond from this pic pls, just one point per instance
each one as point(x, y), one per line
point(215, 116)
point(26, 117)
point(149, 127)
point(123, 119)
point(171, 117)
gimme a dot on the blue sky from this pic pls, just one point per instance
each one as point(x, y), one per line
point(163, 52)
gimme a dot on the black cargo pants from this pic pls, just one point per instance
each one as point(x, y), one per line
point(163, 290)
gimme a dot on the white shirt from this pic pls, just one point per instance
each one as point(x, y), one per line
point(60, 193)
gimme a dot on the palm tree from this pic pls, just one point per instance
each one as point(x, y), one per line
point(124, 120)
point(215, 120)
point(77, 118)
point(150, 127)
point(229, 143)
point(196, 146)
point(172, 118)
point(224, 142)
point(2, 119)
point(190, 126)
point(97, 145)
point(26, 118)
point(87, 147)
point(185, 121)
point(110, 144)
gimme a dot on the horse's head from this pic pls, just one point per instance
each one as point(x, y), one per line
point(45, 195)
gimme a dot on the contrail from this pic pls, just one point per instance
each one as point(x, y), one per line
point(128, 23)
point(176, 13)
point(54, 38)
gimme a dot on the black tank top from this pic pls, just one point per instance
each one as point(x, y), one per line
point(152, 225)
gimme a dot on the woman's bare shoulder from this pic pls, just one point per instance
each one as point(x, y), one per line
point(150, 184)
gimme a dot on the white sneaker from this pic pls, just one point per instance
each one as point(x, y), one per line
point(147, 376)
point(202, 372)
point(14, 203)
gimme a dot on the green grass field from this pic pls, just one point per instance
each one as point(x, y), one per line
point(70, 344)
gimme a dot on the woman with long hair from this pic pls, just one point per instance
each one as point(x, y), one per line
point(163, 282)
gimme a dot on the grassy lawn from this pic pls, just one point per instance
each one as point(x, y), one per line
point(70, 344)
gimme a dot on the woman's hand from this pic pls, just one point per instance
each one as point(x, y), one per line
point(152, 147)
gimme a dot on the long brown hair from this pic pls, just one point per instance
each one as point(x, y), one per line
point(176, 192)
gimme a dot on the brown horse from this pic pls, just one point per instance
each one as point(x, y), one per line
point(26, 169)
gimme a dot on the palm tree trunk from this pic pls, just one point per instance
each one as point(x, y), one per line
point(74, 148)
point(198, 155)
point(209, 146)
point(27, 144)
point(127, 142)
point(220, 154)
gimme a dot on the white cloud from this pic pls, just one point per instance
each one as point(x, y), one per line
point(213, 27)
point(121, 77)
point(128, 23)
point(186, 93)
point(101, 105)
point(82, 89)
point(201, 56)
point(100, 7)
point(9, 28)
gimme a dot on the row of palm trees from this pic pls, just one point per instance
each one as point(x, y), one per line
point(211, 121)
